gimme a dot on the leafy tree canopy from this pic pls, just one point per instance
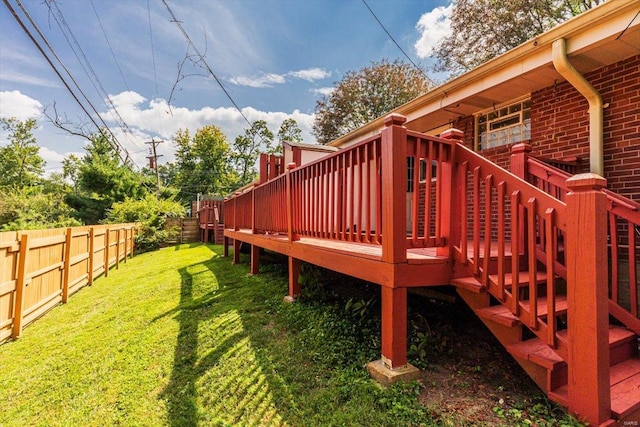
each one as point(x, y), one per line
point(20, 162)
point(202, 163)
point(289, 131)
point(367, 94)
point(258, 138)
point(101, 181)
point(484, 29)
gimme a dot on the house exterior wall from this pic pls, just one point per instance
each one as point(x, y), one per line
point(560, 125)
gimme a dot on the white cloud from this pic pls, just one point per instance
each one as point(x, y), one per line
point(433, 26)
point(15, 104)
point(325, 91)
point(155, 119)
point(265, 80)
point(310, 74)
point(270, 79)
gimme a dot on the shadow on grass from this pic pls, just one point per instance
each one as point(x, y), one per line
point(226, 345)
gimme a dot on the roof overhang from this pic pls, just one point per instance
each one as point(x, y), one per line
point(601, 36)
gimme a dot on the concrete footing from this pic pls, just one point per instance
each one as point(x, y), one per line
point(386, 376)
point(289, 299)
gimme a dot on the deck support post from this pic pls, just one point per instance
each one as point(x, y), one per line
point(394, 327)
point(294, 276)
point(225, 249)
point(519, 155)
point(236, 251)
point(255, 259)
point(393, 366)
point(587, 311)
point(394, 187)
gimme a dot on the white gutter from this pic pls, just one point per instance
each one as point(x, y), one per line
point(577, 80)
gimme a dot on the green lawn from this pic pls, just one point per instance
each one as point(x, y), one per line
point(182, 337)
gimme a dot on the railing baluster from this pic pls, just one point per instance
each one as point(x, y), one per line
point(501, 240)
point(533, 285)
point(476, 220)
point(427, 191)
point(515, 251)
point(359, 230)
point(551, 249)
point(367, 201)
point(439, 151)
point(378, 211)
point(464, 183)
point(633, 274)
point(487, 229)
point(615, 274)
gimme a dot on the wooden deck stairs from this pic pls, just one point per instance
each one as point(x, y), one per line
point(547, 261)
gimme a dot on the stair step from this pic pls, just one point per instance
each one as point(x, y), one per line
point(523, 278)
point(625, 388)
point(538, 352)
point(622, 343)
point(502, 314)
point(469, 283)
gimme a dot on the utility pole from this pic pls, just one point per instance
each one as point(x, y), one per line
point(153, 162)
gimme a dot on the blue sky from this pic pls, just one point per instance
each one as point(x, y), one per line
point(275, 58)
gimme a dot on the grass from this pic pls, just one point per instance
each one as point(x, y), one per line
point(182, 337)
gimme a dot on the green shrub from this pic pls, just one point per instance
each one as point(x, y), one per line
point(151, 214)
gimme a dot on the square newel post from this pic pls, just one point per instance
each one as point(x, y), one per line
point(450, 201)
point(519, 155)
point(587, 299)
point(264, 159)
point(289, 195)
point(394, 189)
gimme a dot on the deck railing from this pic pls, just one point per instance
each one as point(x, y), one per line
point(519, 224)
point(623, 217)
point(343, 196)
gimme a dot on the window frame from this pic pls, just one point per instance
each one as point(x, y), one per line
point(488, 122)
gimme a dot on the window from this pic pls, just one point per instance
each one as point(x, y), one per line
point(506, 124)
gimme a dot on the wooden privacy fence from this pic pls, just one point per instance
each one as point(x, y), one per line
point(42, 268)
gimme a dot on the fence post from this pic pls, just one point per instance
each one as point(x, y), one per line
point(106, 251)
point(519, 155)
point(587, 294)
point(449, 213)
point(394, 182)
point(289, 195)
point(91, 254)
point(20, 284)
point(67, 266)
point(118, 248)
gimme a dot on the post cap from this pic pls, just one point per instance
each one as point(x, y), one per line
point(586, 182)
point(522, 147)
point(395, 119)
point(452, 133)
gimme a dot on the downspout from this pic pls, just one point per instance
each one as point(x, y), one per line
point(577, 80)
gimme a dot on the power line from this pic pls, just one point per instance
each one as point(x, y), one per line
point(118, 147)
point(153, 55)
point(201, 57)
point(397, 45)
point(86, 66)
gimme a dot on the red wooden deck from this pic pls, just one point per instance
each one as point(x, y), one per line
point(477, 227)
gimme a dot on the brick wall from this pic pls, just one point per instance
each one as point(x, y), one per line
point(560, 125)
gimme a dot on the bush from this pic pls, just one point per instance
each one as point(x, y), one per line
point(151, 214)
point(31, 208)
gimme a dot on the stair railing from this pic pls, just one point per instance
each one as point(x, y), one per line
point(623, 228)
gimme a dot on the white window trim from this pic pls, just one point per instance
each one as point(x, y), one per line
point(476, 116)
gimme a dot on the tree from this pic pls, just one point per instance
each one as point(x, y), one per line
point(367, 94)
point(247, 148)
point(289, 131)
point(101, 181)
point(202, 163)
point(20, 163)
point(484, 29)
